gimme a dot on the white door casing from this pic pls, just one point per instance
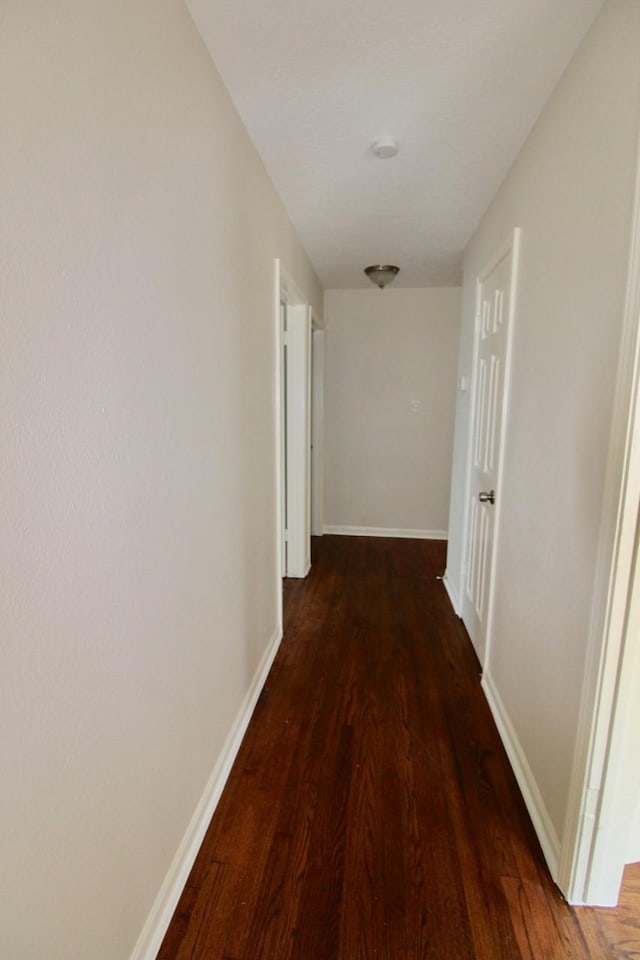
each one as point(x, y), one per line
point(298, 440)
point(317, 433)
point(290, 304)
point(495, 302)
point(282, 444)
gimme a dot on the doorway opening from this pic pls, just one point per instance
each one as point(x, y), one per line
point(299, 393)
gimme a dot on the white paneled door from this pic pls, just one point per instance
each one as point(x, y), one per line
point(494, 308)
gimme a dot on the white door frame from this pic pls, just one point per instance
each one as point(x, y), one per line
point(298, 445)
point(596, 826)
point(285, 291)
point(512, 243)
point(317, 430)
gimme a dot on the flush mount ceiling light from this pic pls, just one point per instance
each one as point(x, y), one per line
point(385, 149)
point(382, 274)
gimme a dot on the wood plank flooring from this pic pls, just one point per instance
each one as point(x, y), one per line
point(371, 813)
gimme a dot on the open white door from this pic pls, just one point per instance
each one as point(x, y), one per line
point(494, 309)
point(297, 364)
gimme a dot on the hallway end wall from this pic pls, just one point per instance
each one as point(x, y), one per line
point(390, 382)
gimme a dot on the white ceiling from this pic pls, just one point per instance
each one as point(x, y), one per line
point(458, 83)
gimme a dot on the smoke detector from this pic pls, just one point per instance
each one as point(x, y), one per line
point(385, 149)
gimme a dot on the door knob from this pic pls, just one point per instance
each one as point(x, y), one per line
point(487, 497)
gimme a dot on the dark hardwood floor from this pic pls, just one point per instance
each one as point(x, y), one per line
point(371, 813)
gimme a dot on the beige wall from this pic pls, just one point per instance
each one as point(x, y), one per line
point(570, 191)
point(137, 559)
point(388, 466)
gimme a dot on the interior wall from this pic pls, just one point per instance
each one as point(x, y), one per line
point(138, 556)
point(390, 380)
point(570, 190)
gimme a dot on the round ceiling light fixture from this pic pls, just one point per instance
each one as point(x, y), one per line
point(381, 274)
point(385, 148)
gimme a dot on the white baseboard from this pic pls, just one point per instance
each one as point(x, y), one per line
point(158, 921)
point(526, 781)
point(453, 596)
point(388, 532)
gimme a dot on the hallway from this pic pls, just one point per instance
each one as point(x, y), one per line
point(371, 813)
